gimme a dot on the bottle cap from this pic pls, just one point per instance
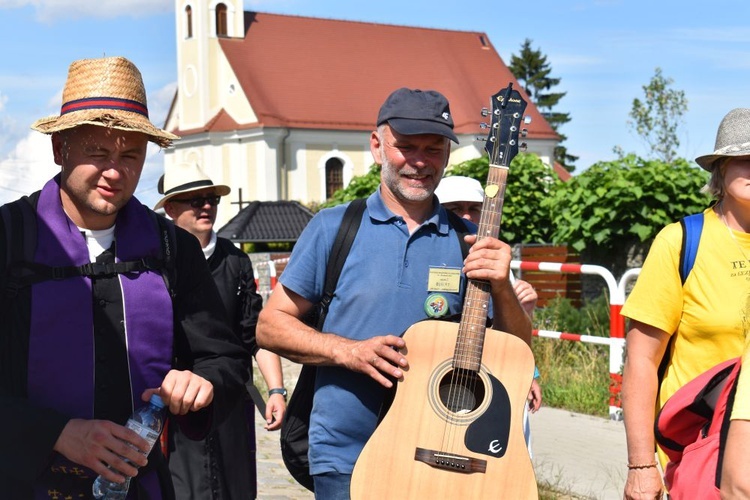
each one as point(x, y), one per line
point(156, 400)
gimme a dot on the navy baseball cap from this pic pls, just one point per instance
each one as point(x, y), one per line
point(412, 112)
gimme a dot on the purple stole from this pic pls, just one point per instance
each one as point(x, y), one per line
point(61, 340)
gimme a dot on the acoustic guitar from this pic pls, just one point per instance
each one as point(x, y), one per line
point(454, 429)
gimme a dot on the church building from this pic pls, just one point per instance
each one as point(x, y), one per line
point(281, 107)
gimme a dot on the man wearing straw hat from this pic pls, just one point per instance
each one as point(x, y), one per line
point(104, 303)
point(223, 464)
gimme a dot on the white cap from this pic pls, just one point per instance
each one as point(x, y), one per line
point(458, 188)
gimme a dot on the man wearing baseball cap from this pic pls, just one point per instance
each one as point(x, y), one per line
point(389, 282)
point(104, 303)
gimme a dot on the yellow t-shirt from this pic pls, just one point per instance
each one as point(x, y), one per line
point(707, 315)
point(741, 408)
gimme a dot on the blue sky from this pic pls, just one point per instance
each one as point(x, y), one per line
point(603, 50)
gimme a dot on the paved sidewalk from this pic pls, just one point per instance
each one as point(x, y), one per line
point(583, 455)
point(580, 455)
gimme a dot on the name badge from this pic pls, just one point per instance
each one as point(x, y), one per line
point(444, 279)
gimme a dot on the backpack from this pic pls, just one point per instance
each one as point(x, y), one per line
point(19, 221)
point(692, 429)
point(296, 424)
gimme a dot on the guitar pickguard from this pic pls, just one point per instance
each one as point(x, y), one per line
point(477, 401)
point(489, 433)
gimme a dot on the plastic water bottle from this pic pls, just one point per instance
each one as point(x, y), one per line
point(147, 422)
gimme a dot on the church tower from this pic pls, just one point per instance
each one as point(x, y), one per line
point(200, 26)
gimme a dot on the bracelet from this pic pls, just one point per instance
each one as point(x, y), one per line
point(278, 390)
point(641, 466)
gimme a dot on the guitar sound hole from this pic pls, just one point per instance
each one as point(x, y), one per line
point(461, 391)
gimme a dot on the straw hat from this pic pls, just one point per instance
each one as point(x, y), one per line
point(108, 92)
point(458, 188)
point(185, 178)
point(732, 139)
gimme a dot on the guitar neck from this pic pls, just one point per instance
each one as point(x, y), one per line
point(492, 206)
point(471, 331)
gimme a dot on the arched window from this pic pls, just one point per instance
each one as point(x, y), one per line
point(334, 176)
point(189, 21)
point(221, 20)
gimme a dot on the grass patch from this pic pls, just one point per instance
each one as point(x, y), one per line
point(574, 375)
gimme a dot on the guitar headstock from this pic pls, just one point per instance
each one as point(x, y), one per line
point(507, 108)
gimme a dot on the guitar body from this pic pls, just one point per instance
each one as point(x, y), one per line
point(452, 433)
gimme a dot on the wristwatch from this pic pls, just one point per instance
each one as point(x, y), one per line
point(278, 390)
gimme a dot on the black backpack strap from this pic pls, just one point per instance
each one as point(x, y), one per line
point(339, 252)
point(19, 221)
point(19, 218)
point(25, 274)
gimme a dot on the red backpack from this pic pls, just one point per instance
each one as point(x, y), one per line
point(692, 429)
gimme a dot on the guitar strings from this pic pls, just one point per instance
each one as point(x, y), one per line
point(462, 392)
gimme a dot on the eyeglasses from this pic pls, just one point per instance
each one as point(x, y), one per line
point(199, 201)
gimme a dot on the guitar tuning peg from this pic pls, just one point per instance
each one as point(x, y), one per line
point(480, 138)
point(483, 125)
point(527, 119)
point(524, 132)
point(523, 147)
point(485, 112)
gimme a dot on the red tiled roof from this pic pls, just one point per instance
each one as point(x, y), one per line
point(222, 121)
point(563, 174)
point(303, 72)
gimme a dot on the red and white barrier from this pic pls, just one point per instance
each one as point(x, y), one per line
point(616, 339)
point(265, 278)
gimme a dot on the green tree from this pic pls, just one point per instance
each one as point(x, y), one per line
point(533, 71)
point(658, 117)
point(529, 183)
point(614, 204)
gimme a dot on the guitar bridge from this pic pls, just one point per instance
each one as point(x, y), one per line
point(450, 461)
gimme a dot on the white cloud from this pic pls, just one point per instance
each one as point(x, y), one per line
point(49, 11)
point(159, 103)
point(30, 166)
point(27, 168)
point(152, 170)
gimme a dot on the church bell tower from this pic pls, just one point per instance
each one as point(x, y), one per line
point(200, 26)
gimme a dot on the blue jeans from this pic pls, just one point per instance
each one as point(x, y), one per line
point(332, 486)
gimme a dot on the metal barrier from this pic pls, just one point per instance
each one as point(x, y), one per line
point(616, 339)
point(265, 278)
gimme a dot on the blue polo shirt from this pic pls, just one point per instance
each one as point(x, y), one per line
point(383, 289)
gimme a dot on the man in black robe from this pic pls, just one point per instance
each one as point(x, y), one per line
point(224, 464)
